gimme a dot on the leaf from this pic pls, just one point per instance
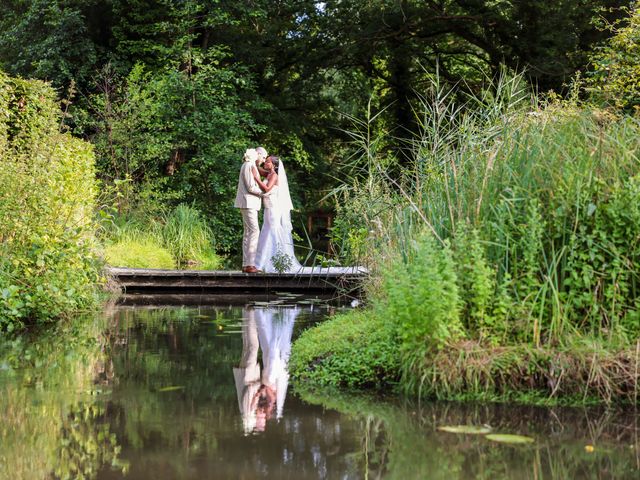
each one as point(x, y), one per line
point(171, 388)
point(508, 438)
point(466, 429)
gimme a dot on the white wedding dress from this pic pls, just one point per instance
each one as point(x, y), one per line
point(276, 241)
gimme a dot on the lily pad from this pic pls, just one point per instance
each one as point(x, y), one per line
point(507, 438)
point(468, 429)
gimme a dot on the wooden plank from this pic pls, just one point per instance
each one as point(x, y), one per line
point(174, 281)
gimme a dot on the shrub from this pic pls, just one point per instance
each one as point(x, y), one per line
point(421, 296)
point(616, 65)
point(47, 187)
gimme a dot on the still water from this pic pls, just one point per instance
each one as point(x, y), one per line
point(203, 392)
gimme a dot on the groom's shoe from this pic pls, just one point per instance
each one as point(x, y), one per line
point(250, 269)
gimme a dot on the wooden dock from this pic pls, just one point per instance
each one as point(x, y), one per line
point(151, 281)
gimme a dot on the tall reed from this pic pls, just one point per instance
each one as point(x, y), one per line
point(551, 192)
point(180, 237)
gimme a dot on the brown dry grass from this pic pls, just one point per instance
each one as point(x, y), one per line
point(587, 371)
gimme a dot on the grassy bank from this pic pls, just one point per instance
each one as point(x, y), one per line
point(179, 238)
point(505, 253)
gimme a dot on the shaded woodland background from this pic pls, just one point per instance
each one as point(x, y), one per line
point(171, 92)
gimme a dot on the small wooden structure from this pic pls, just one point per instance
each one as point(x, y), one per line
point(152, 281)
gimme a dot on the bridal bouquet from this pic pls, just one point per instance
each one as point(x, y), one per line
point(282, 262)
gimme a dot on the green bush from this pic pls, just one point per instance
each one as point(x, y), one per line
point(616, 65)
point(357, 349)
point(47, 187)
point(421, 296)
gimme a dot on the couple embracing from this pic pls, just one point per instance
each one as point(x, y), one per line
point(274, 242)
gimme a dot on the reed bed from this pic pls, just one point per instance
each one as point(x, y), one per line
point(511, 223)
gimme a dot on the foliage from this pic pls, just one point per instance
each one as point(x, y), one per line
point(47, 186)
point(534, 241)
point(537, 202)
point(175, 133)
point(616, 65)
point(476, 282)
point(421, 296)
point(172, 92)
point(186, 235)
point(282, 262)
point(52, 40)
point(179, 238)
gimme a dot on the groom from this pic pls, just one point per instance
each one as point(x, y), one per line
point(249, 200)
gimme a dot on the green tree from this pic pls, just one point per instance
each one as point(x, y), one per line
point(616, 65)
point(59, 41)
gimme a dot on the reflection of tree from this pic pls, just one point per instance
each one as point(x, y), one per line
point(402, 441)
point(86, 443)
point(53, 422)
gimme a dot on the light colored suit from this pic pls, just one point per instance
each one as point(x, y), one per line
point(248, 200)
point(247, 374)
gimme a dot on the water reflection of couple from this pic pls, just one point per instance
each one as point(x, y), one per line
point(262, 393)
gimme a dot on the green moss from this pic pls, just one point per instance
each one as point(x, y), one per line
point(356, 349)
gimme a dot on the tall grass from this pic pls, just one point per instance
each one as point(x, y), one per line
point(179, 239)
point(186, 234)
point(537, 203)
point(551, 194)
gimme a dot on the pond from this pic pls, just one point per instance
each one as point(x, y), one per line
point(203, 392)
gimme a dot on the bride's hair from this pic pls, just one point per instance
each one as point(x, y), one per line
point(276, 162)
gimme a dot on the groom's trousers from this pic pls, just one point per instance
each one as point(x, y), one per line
point(250, 237)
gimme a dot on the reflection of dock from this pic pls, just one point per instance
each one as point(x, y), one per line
point(325, 281)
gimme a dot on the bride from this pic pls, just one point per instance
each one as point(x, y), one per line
point(275, 244)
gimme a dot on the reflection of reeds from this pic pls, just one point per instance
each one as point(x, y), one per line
point(53, 424)
point(400, 440)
